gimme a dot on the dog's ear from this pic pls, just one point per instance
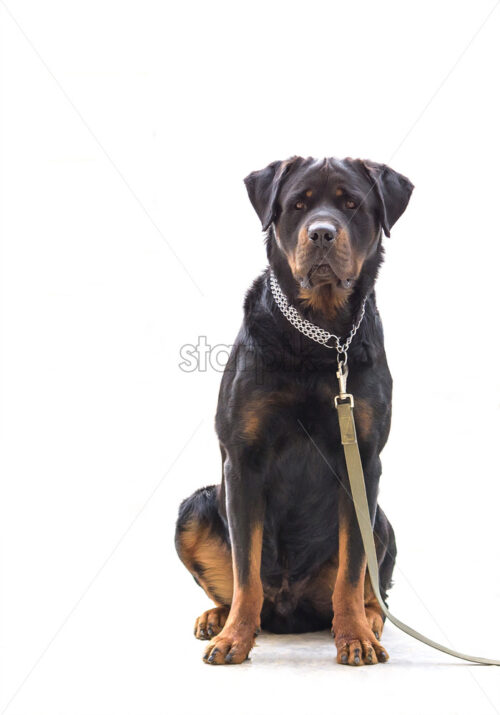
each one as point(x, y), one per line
point(263, 189)
point(392, 191)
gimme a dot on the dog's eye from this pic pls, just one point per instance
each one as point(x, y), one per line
point(300, 205)
point(350, 204)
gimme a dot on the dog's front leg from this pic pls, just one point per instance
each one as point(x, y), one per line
point(245, 515)
point(356, 643)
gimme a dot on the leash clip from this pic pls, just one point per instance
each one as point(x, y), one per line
point(342, 373)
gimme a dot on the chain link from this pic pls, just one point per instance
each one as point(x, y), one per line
point(314, 332)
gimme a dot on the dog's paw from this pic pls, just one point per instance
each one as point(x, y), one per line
point(210, 623)
point(232, 645)
point(356, 643)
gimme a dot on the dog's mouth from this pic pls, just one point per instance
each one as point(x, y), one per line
point(322, 273)
point(323, 269)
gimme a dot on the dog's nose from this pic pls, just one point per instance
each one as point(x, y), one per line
point(322, 233)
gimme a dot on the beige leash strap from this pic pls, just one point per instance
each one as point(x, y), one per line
point(344, 404)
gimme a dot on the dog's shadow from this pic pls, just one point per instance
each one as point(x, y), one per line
point(317, 651)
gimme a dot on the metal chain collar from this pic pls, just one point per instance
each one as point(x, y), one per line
point(314, 332)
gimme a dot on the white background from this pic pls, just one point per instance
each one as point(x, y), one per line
point(127, 129)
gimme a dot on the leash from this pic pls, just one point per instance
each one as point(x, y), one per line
point(344, 404)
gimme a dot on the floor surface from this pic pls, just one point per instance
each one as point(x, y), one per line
point(298, 674)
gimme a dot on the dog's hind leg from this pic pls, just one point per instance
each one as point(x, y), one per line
point(203, 547)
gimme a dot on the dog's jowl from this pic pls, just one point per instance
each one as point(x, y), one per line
point(276, 545)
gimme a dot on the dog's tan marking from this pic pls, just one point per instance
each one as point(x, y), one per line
point(258, 410)
point(373, 612)
point(324, 299)
point(208, 558)
point(363, 416)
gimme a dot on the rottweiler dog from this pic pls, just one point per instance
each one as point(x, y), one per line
point(276, 545)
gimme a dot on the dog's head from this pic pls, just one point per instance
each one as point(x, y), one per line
point(328, 216)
